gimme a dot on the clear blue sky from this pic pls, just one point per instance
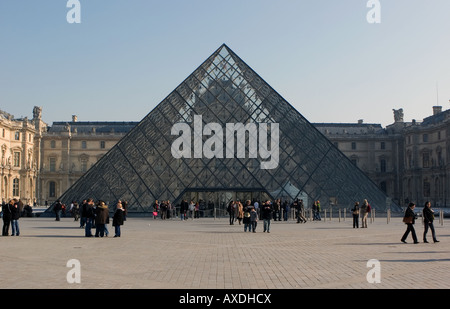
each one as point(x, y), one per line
point(322, 56)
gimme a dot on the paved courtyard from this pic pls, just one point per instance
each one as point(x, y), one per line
point(209, 253)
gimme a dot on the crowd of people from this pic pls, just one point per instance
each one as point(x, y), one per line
point(95, 215)
point(252, 211)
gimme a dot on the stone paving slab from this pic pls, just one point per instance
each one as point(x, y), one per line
point(209, 253)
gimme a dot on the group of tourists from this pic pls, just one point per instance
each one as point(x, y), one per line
point(251, 212)
point(96, 215)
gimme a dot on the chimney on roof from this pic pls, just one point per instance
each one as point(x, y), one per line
point(360, 121)
point(437, 110)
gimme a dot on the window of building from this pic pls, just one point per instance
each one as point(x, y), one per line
point(425, 138)
point(439, 135)
point(382, 145)
point(353, 145)
point(84, 164)
point(84, 144)
point(383, 186)
point(102, 144)
point(16, 187)
point(17, 136)
point(52, 164)
point(52, 189)
point(426, 187)
point(383, 165)
point(426, 160)
point(52, 144)
point(16, 159)
point(3, 132)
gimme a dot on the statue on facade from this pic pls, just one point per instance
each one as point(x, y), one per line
point(37, 112)
point(398, 115)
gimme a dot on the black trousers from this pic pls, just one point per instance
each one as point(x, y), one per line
point(355, 221)
point(6, 224)
point(431, 226)
point(410, 228)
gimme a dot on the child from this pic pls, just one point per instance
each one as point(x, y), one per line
point(253, 219)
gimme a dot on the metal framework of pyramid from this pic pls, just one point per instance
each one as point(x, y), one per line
point(142, 168)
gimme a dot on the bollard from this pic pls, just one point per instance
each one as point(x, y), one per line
point(339, 215)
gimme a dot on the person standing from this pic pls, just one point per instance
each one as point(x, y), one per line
point(6, 214)
point(246, 219)
point(15, 215)
point(101, 218)
point(428, 217)
point(239, 212)
point(57, 209)
point(90, 215)
point(409, 219)
point(231, 211)
point(118, 219)
point(83, 213)
point(267, 210)
point(355, 214)
point(253, 219)
point(183, 208)
point(364, 211)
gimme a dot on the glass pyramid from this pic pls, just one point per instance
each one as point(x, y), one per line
point(187, 144)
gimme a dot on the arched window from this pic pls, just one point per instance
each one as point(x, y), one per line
point(52, 189)
point(16, 187)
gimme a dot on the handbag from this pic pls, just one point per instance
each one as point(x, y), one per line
point(408, 220)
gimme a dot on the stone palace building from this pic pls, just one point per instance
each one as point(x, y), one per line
point(409, 161)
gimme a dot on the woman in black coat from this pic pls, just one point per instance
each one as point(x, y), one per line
point(409, 219)
point(118, 219)
point(6, 214)
point(428, 217)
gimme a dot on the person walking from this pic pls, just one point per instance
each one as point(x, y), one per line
point(6, 215)
point(118, 219)
point(355, 214)
point(428, 217)
point(409, 219)
point(15, 215)
point(267, 210)
point(300, 211)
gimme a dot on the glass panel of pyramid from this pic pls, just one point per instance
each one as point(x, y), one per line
point(216, 132)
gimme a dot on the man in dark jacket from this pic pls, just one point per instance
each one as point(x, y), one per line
point(15, 215)
point(6, 212)
point(118, 219)
point(101, 218)
point(57, 209)
point(267, 210)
